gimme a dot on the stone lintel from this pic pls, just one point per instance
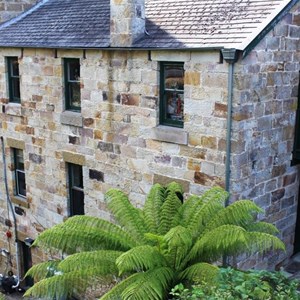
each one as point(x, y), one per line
point(176, 56)
point(164, 180)
point(13, 143)
point(73, 158)
point(71, 118)
point(169, 134)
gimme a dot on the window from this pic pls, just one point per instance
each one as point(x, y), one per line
point(76, 194)
point(13, 79)
point(72, 84)
point(296, 150)
point(172, 94)
point(20, 186)
point(26, 262)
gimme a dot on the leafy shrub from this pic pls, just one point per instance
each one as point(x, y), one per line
point(149, 250)
point(233, 284)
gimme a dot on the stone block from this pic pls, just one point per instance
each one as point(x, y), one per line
point(169, 134)
point(37, 159)
point(14, 143)
point(71, 118)
point(97, 175)
point(164, 180)
point(74, 158)
point(207, 180)
point(176, 56)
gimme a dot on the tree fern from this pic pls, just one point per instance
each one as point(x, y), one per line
point(59, 286)
point(147, 251)
point(43, 270)
point(140, 258)
point(152, 207)
point(170, 210)
point(71, 239)
point(149, 285)
point(239, 213)
point(179, 242)
point(262, 227)
point(125, 214)
point(200, 272)
point(104, 262)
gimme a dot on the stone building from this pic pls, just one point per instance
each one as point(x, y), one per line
point(97, 94)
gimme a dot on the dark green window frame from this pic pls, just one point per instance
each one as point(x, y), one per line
point(72, 84)
point(13, 79)
point(296, 150)
point(76, 192)
point(171, 94)
point(20, 179)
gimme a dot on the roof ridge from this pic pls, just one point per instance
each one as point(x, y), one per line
point(23, 14)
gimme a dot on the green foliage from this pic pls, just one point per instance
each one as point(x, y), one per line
point(149, 250)
point(233, 284)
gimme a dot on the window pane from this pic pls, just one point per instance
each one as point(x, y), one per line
point(21, 184)
point(77, 176)
point(74, 70)
point(19, 160)
point(16, 88)
point(174, 106)
point(77, 202)
point(174, 77)
point(14, 67)
point(74, 93)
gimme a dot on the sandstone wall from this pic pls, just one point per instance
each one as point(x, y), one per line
point(116, 137)
point(266, 94)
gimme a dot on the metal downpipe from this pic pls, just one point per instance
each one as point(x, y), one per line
point(13, 214)
point(230, 56)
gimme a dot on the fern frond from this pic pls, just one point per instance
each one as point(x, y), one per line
point(262, 227)
point(240, 213)
point(103, 262)
point(221, 240)
point(152, 207)
point(59, 286)
point(194, 203)
point(116, 292)
point(187, 210)
point(179, 242)
point(129, 217)
point(205, 209)
point(140, 259)
point(170, 210)
point(43, 270)
point(113, 230)
point(73, 236)
point(200, 272)
point(260, 242)
point(150, 285)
